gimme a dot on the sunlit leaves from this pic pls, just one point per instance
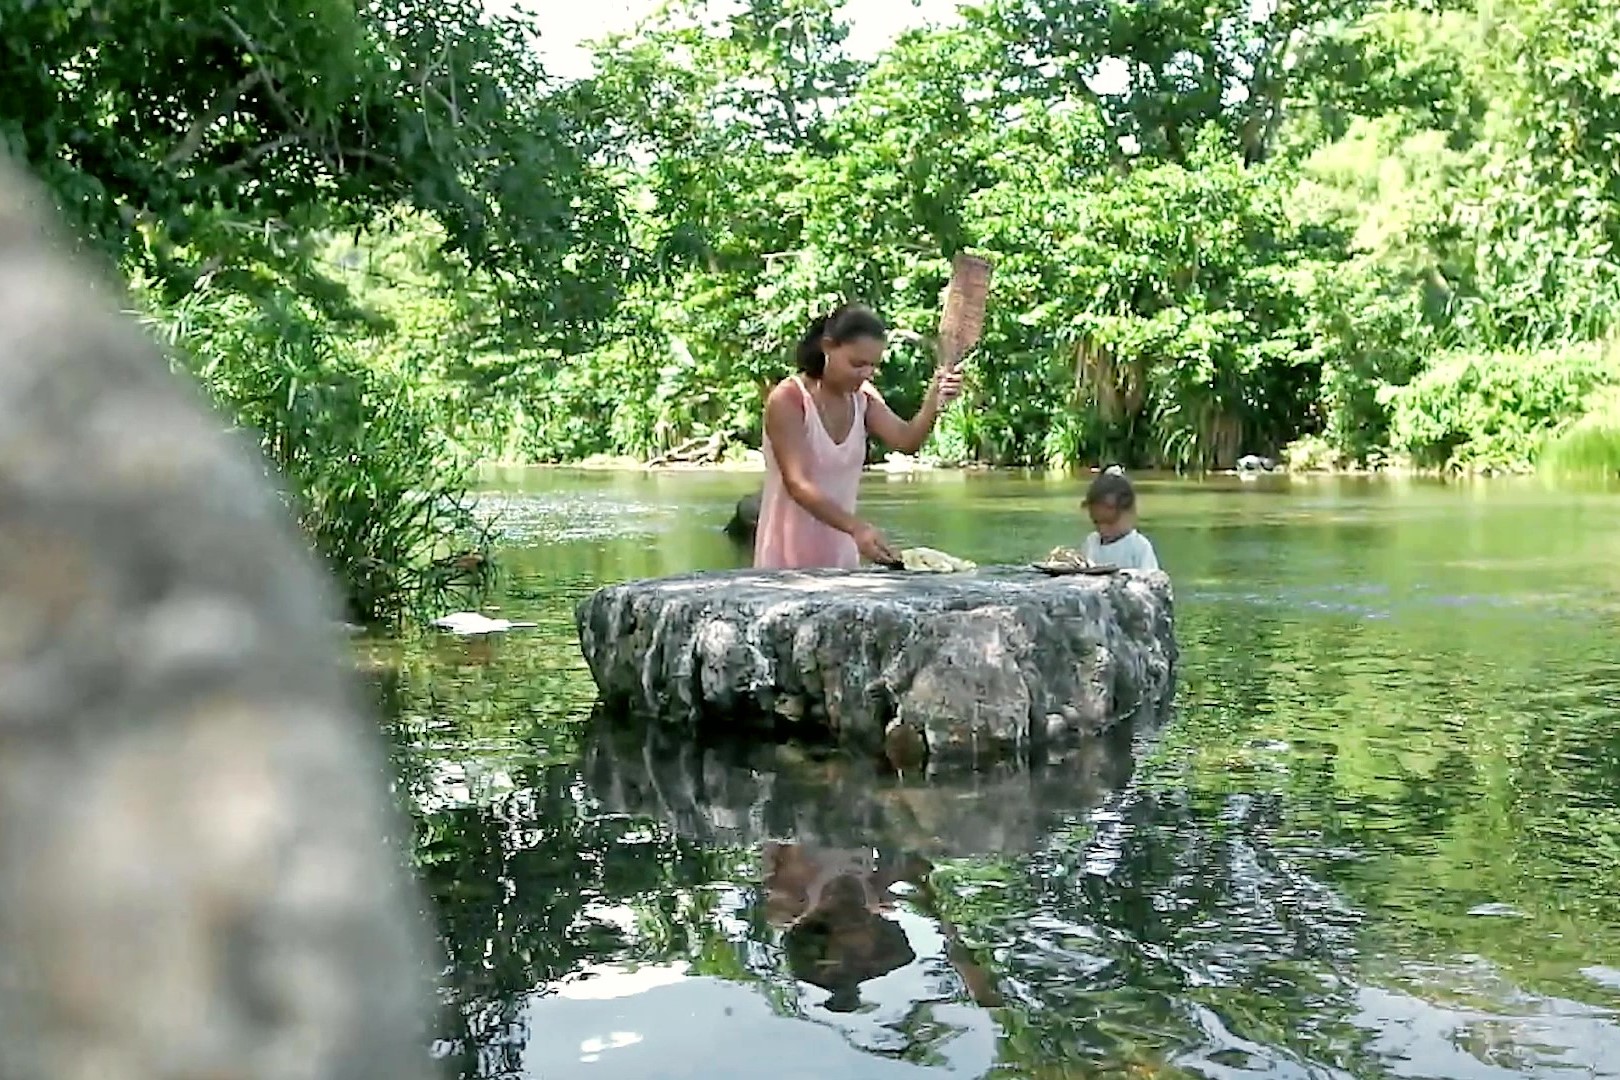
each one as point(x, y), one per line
point(148, 119)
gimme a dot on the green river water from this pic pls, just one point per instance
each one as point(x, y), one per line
point(1378, 837)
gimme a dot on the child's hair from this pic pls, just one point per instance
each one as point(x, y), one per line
point(845, 323)
point(1113, 489)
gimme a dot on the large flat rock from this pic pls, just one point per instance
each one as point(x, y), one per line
point(981, 663)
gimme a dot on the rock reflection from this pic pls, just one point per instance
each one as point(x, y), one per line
point(731, 793)
point(846, 857)
point(657, 906)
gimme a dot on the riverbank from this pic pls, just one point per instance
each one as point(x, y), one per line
point(899, 464)
point(751, 461)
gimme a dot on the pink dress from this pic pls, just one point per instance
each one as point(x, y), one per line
point(789, 537)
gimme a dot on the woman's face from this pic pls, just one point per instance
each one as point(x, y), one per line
point(851, 363)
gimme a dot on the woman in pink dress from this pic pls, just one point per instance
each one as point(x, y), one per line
point(816, 423)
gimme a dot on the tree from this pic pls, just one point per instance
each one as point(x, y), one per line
point(1158, 73)
point(192, 138)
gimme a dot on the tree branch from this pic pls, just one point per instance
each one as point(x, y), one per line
point(299, 127)
point(218, 111)
point(252, 157)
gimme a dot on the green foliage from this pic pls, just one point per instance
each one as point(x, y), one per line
point(1491, 412)
point(1549, 188)
point(1590, 447)
point(1183, 285)
point(1165, 310)
point(216, 151)
point(1183, 274)
point(372, 481)
point(1372, 231)
point(1158, 74)
point(160, 126)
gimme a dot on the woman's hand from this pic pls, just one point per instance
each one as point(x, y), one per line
point(908, 436)
point(870, 543)
point(948, 384)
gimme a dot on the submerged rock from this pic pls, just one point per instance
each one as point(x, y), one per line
point(1254, 463)
point(980, 663)
point(744, 521)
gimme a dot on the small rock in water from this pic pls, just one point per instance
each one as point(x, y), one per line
point(471, 622)
point(896, 462)
point(744, 521)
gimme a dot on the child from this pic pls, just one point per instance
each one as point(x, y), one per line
point(1111, 502)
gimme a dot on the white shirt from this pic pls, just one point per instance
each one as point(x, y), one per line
point(1133, 551)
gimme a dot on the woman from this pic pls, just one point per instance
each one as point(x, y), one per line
point(816, 424)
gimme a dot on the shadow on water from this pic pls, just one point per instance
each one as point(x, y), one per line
point(1379, 838)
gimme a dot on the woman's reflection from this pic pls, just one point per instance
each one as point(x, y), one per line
point(831, 902)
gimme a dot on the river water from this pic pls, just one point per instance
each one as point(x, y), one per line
point(1378, 837)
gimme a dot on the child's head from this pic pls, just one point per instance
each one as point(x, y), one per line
point(1111, 502)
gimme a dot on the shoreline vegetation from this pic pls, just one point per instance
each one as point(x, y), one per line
point(611, 464)
point(1586, 446)
point(1573, 440)
point(1376, 236)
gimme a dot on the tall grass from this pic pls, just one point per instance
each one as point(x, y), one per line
point(1493, 411)
point(1588, 449)
point(368, 472)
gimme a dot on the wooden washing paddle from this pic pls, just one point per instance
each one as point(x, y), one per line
point(962, 320)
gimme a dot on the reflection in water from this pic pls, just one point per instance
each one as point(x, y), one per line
point(847, 896)
point(830, 903)
point(1378, 839)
